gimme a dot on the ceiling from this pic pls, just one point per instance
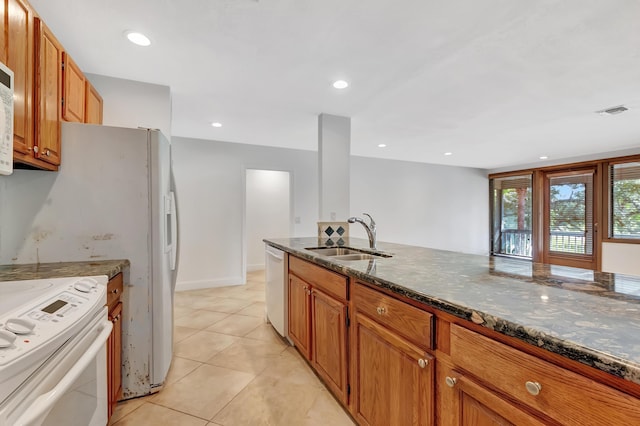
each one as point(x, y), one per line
point(495, 82)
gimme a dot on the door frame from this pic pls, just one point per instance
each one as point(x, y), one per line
point(591, 261)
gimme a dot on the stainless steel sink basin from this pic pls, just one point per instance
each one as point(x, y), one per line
point(347, 253)
point(359, 256)
point(333, 251)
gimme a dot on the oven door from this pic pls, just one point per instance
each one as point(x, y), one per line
point(71, 387)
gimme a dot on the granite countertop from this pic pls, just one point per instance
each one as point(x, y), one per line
point(591, 317)
point(35, 271)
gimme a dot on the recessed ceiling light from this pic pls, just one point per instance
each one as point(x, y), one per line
point(448, 153)
point(382, 145)
point(613, 110)
point(138, 38)
point(216, 124)
point(543, 157)
point(340, 84)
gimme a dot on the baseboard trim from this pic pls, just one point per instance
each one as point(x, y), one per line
point(200, 284)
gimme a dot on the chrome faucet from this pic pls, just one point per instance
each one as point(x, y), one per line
point(370, 228)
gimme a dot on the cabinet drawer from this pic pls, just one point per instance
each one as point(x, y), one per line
point(408, 321)
point(114, 291)
point(317, 276)
point(565, 396)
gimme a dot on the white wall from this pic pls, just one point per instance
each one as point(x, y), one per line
point(134, 104)
point(621, 258)
point(267, 212)
point(210, 181)
point(334, 148)
point(422, 204)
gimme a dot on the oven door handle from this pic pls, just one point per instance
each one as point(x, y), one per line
point(45, 402)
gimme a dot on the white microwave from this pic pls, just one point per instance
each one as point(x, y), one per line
point(6, 120)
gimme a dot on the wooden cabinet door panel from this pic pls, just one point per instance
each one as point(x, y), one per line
point(114, 358)
point(329, 342)
point(93, 107)
point(391, 387)
point(49, 95)
point(74, 91)
point(300, 315)
point(479, 406)
point(20, 49)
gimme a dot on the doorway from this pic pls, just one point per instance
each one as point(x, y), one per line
point(570, 219)
point(267, 212)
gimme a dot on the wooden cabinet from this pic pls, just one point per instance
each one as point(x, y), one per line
point(392, 378)
point(45, 93)
point(74, 91)
point(300, 315)
point(19, 58)
point(318, 322)
point(93, 105)
point(114, 343)
point(550, 393)
point(329, 341)
point(48, 94)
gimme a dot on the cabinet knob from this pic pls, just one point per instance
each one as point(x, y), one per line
point(380, 310)
point(533, 388)
point(47, 153)
point(423, 363)
point(115, 291)
point(450, 381)
point(35, 149)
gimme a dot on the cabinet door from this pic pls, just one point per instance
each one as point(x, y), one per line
point(478, 406)
point(48, 94)
point(393, 378)
point(93, 107)
point(74, 91)
point(329, 342)
point(3, 34)
point(114, 358)
point(20, 49)
point(300, 315)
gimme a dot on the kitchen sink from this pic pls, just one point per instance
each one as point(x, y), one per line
point(347, 253)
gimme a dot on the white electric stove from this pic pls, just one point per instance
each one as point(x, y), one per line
point(53, 335)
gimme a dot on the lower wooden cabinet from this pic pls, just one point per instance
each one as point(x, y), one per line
point(318, 328)
point(114, 343)
point(329, 342)
point(300, 315)
point(381, 364)
point(393, 380)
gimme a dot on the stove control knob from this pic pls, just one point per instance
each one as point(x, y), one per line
point(20, 325)
point(85, 285)
point(6, 338)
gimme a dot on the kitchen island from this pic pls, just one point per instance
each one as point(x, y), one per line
point(554, 313)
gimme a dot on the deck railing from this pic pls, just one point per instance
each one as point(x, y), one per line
point(517, 242)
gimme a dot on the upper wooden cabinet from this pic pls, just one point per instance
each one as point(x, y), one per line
point(19, 17)
point(74, 91)
point(48, 93)
point(45, 92)
point(93, 105)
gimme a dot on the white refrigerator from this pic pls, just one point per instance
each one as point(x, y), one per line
point(113, 198)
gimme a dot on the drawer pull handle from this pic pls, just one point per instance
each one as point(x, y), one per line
point(115, 291)
point(533, 388)
point(380, 310)
point(423, 363)
point(450, 381)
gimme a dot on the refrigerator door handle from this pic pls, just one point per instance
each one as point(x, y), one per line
point(174, 231)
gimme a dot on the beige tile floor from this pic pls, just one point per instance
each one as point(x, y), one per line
point(230, 368)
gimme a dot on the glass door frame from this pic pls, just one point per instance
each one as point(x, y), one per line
point(570, 259)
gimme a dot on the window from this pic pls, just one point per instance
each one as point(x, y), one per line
point(511, 216)
point(624, 207)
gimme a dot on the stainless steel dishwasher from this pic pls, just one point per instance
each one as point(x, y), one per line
point(277, 290)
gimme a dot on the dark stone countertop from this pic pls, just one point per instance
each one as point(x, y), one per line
point(36, 271)
point(590, 317)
